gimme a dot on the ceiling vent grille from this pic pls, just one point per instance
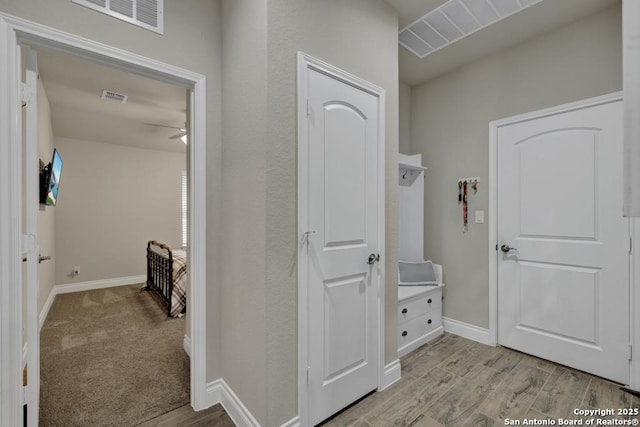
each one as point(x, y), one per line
point(147, 14)
point(114, 96)
point(454, 20)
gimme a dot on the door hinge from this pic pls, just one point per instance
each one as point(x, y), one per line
point(308, 109)
point(308, 375)
point(630, 244)
point(630, 352)
point(27, 93)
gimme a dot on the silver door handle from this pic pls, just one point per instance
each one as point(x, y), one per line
point(43, 258)
point(506, 248)
point(373, 258)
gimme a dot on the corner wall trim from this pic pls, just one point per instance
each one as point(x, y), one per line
point(47, 306)
point(186, 344)
point(392, 372)
point(218, 391)
point(293, 422)
point(100, 284)
point(467, 330)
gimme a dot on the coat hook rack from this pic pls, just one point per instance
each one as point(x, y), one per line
point(472, 182)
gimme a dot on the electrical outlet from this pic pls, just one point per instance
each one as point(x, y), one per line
point(76, 270)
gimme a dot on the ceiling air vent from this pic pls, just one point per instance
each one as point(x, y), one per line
point(114, 96)
point(147, 14)
point(454, 20)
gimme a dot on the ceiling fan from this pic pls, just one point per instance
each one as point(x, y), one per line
point(180, 134)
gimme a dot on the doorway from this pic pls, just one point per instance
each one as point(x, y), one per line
point(13, 33)
point(562, 244)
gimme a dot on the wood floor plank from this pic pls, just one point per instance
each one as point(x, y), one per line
point(186, 416)
point(479, 419)
point(602, 394)
point(457, 404)
point(370, 405)
point(464, 360)
point(517, 394)
point(408, 406)
point(562, 392)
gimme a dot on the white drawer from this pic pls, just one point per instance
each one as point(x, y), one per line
point(418, 327)
point(418, 306)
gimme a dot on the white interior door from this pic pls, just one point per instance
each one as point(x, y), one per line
point(563, 263)
point(31, 206)
point(343, 224)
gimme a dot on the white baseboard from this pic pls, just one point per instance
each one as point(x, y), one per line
point(391, 374)
point(219, 391)
point(293, 422)
point(99, 284)
point(186, 344)
point(467, 330)
point(47, 306)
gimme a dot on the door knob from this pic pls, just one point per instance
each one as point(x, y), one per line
point(506, 248)
point(373, 258)
point(43, 258)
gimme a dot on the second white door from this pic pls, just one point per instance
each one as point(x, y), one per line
point(563, 263)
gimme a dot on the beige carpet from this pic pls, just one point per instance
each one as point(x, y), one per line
point(110, 357)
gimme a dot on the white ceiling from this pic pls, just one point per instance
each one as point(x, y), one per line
point(74, 88)
point(524, 25)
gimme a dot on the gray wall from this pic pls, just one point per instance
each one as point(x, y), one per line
point(113, 199)
point(191, 40)
point(259, 285)
point(243, 312)
point(404, 145)
point(359, 36)
point(450, 119)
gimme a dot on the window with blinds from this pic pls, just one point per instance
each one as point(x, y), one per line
point(184, 208)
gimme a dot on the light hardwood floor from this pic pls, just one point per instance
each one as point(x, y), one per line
point(185, 416)
point(456, 382)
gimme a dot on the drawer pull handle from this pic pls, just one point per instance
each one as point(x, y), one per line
point(429, 302)
point(404, 333)
point(404, 311)
point(429, 322)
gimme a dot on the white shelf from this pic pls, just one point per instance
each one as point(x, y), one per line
point(407, 166)
point(407, 292)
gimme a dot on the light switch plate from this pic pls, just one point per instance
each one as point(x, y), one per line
point(479, 217)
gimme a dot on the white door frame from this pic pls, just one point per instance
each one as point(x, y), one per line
point(15, 31)
point(307, 63)
point(634, 274)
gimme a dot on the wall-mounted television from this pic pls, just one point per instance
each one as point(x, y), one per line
point(50, 180)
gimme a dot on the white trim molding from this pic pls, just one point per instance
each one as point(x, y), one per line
point(293, 422)
point(306, 63)
point(11, 340)
point(15, 31)
point(99, 284)
point(392, 374)
point(218, 391)
point(47, 306)
point(186, 345)
point(468, 331)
